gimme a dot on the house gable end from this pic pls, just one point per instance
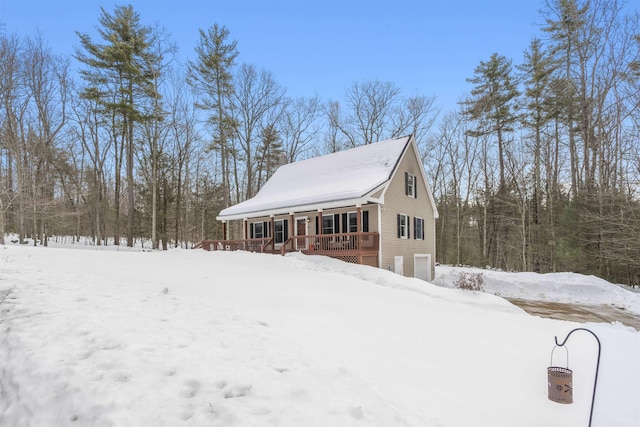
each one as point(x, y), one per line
point(412, 150)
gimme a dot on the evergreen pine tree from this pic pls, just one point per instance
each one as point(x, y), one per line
point(118, 79)
point(211, 75)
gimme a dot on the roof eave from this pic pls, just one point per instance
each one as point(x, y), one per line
point(285, 210)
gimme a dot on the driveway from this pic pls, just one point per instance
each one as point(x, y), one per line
point(578, 313)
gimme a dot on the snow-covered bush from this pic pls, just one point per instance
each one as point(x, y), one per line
point(470, 281)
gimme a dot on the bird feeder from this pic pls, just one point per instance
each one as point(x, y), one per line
point(560, 381)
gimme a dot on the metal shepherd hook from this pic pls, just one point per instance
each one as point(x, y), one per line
point(595, 381)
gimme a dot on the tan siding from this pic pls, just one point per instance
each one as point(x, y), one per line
point(373, 219)
point(396, 202)
point(378, 193)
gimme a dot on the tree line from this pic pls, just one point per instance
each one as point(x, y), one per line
point(537, 170)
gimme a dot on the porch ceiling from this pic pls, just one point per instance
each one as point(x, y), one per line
point(334, 204)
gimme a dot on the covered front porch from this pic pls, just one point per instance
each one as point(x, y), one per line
point(342, 233)
point(357, 248)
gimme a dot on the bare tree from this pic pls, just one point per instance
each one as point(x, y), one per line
point(158, 63)
point(183, 135)
point(15, 102)
point(415, 116)
point(371, 105)
point(46, 78)
point(301, 126)
point(258, 102)
point(334, 139)
point(87, 128)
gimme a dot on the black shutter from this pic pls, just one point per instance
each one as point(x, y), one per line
point(317, 224)
point(399, 225)
point(285, 230)
point(251, 230)
point(415, 187)
point(336, 223)
point(365, 221)
point(415, 228)
point(408, 227)
point(406, 183)
point(345, 223)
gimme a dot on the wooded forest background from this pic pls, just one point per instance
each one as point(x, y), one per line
point(537, 170)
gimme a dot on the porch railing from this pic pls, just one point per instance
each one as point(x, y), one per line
point(342, 244)
point(251, 245)
point(360, 248)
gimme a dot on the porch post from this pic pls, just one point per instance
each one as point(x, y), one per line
point(292, 224)
point(224, 230)
point(319, 221)
point(273, 233)
point(245, 224)
point(359, 231)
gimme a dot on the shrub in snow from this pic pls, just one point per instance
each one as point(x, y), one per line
point(470, 281)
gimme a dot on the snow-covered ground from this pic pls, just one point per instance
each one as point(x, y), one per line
point(188, 337)
point(550, 287)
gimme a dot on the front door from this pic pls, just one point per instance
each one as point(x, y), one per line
point(301, 230)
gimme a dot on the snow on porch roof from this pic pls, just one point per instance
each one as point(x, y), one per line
point(345, 175)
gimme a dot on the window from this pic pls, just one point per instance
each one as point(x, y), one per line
point(410, 185)
point(259, 230)
point(403, 226)
point(327, 224)
point(418, 228)
point(353, 222)
point(281, 232)
point(349, 222)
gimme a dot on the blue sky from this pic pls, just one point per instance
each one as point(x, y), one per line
point(321, 46)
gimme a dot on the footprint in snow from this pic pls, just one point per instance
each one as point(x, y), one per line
point(122, 377)
point(190, 389)
point(241, 390)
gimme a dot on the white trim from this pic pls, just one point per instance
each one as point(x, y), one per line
point(407, 228)
point(306, 228)
point(349, 221)
point(380, 236)
point(414, 184)
point(302, 208)
point(422, 229)
point(333, 223)
point(306, 224)
point(284, 238)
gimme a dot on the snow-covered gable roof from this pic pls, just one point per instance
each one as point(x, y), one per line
point(344, 177)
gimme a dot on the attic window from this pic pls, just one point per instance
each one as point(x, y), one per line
point(410, 185)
